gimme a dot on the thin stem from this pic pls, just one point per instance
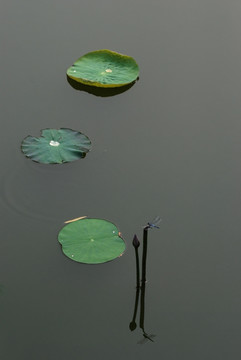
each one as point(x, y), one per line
point(136, 244)
point(137, 268)
point(144, 256)
point(143, 279)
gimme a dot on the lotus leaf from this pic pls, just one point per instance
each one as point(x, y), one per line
point(56, 146)
point(104, 68)
point(91, 241)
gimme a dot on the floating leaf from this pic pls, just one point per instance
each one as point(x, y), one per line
point(56, 146)
point(104, 68)
point(91, 241)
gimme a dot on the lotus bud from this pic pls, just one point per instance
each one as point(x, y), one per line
point(135, 242)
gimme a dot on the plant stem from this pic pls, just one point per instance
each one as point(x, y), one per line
point(144, 256)
point(137, 269)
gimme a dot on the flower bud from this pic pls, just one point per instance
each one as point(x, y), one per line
point(135, 242)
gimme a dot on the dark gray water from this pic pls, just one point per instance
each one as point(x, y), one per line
point(168, 146)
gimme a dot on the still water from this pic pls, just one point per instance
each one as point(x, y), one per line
point(168, 146)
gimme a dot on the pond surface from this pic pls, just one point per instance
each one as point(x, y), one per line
point(168, 146)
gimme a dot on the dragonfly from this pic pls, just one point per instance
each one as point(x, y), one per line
point(146, 337)
point(153, 224)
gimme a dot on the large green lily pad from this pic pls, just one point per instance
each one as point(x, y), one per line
point(56, 146)
point(104, 68)
point(91, 241)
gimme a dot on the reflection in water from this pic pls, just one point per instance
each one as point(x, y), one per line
point(146, 337)
point(97, 91)
point(136, 244)
point(141, 286)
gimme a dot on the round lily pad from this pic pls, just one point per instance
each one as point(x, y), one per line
point(91, 241)
point(56, 146)
point(104, 68)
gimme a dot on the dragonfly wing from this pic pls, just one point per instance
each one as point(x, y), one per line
point(142, 341)
point(145, 338)
point(156, 221)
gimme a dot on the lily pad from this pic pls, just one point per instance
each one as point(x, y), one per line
point(91, 241)
point(104, 68)
point(56, 146)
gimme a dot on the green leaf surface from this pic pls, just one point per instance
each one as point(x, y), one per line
point(56, 146)
point(104, 68)
point(91, 241)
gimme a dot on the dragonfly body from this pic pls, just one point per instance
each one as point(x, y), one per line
point(154, 223)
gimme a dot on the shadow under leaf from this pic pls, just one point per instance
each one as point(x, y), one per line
point(98, 91)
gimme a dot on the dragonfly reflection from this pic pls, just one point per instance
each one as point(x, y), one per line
point(146, 337)
point(153, 224)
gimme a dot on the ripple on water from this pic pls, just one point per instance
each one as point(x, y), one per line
point(37, 191)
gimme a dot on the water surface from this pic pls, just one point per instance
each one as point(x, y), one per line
point(168, 146)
